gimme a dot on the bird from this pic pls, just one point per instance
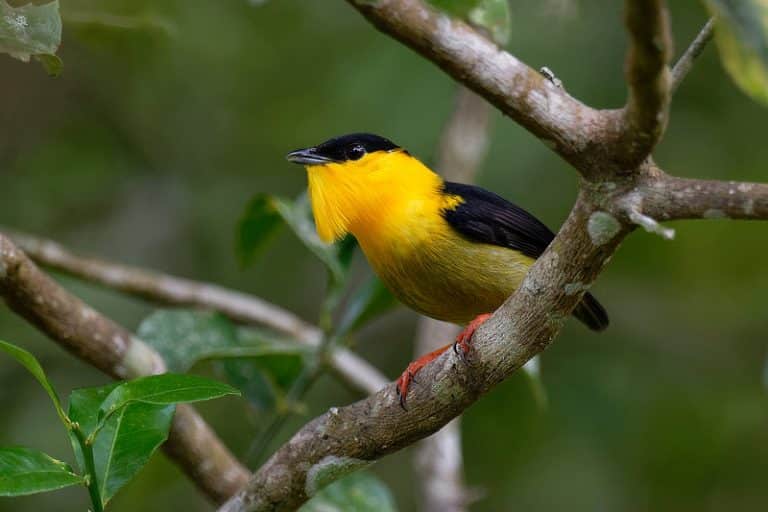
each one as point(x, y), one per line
point(454, 252)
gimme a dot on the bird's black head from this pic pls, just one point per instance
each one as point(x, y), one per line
point(342, 149)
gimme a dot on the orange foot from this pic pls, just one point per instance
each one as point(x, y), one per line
point(462, 342)
point(409, 375)
point(461, 345)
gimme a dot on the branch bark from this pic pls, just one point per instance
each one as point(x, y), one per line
point(98, 341)
point(170, 290)
point(672, 198)
point(438, 460)
point(647, 110)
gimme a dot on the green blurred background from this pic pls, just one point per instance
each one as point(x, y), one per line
point(149, 145)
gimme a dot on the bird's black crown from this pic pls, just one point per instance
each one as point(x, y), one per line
point(341, 149)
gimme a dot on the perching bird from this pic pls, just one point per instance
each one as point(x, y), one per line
point(450, 251)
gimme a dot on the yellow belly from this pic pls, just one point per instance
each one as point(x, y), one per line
point(445, 276)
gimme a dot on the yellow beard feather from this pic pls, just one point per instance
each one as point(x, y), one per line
point(354, 196)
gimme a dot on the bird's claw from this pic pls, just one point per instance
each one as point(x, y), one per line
point(461, 346)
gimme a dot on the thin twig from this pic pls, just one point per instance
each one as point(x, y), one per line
point(166, 289)
point(673, 198)
point(685, 63)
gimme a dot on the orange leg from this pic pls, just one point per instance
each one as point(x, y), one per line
point(409, 375)
point(462, 342)
point(461, 345)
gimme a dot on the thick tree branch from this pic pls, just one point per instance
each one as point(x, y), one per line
point(650, 49)
point(176, 291)
point(580, 134)
point(112, 349)
point(685, 63)
point(462, 149)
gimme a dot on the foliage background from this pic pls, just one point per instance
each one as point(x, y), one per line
point(149, 145)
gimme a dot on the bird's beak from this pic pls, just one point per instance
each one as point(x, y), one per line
point(307, 157)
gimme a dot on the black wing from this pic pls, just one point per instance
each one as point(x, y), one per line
point(487, 218)
point(491, 219)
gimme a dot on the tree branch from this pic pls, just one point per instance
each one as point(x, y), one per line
point(672, 198)
point(176, 291)
point(685, 63)
point(647, 109)
point(462, 148)
point(580, 134)
point(112, 349)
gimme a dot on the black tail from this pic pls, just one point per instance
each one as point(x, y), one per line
point(591, 313)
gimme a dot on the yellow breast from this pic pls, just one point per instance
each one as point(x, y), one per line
point(432, 268)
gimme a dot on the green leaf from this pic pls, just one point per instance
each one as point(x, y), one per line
point(33, 366)
point(491, 15)
point(165, 389)
point(298, 216)
point(186, 337)
point(258, 224)
point(265, 380)
point(741, 34)
point(259, 363)
point(262, 218)
point(83, 410)
point(358, 492)
point(369, 301)
point(125, 442)
point(24, 471)
point(30, 30)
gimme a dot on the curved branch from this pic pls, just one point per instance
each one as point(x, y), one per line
point(574, 130)
point(176, 291)
point(346, 438)
point(109, 347)
point(647, 109)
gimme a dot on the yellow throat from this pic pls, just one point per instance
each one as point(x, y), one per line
point(360, 196)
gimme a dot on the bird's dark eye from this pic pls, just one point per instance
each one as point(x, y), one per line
point(355, 152)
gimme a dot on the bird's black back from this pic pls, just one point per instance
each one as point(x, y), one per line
point(489, 218)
